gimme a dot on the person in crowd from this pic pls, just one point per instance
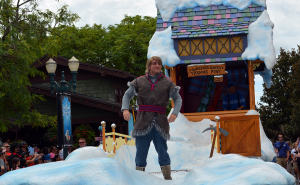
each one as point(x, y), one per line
point(298, 141)
point(61, 153)
point(3, 163)
point(233, 100)
point(7, 140)
point(40, 155)
point(290, 161)
point(282, 150)
point(293, 154)
point(7, 148)
point(82, 143)
point(297, 156)
point(54, 154)
point(28, 157)
point(24, 147)
point(15, 149)
point(15, 164)
point(153, 93)
point(46, 156)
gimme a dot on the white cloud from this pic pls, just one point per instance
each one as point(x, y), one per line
point(105, 12)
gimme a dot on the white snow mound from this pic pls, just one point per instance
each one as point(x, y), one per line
point(84, 153)
point(260, 45)
point(162, 45)
point(188, 148)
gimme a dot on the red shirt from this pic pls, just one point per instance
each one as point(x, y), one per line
point(31, 164)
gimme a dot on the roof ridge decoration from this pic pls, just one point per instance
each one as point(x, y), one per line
point(168, 8)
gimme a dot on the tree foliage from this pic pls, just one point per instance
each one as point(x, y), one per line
point(121, 46)
point(280, 104)
point(87, 43)
point(128, 43)
point(24, 28)
point(27, 33)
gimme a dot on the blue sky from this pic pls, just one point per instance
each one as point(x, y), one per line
point(284, 14)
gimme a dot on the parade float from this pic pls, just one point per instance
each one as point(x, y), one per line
point(206, 45)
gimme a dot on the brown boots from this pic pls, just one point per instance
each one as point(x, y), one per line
point(166, 170)
point(140, 168)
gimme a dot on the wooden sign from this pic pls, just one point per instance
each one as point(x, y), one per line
point(205, 69)
point(218, 78)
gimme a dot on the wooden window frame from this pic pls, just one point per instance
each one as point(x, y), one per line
point(119, 96)
point(204, 56)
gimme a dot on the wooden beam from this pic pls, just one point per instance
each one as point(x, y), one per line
point(167, 67)
point(199, 116)
point(258, 61)
point(251, 85)
point(173, 78)
point(238, 117)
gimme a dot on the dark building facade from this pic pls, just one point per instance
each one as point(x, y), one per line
point(98, 98)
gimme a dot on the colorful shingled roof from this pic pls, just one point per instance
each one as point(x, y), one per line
point(210, 21)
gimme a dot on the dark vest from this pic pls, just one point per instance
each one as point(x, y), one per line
point(157, 95)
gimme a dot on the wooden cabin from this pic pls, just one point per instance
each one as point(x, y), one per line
point(209, 42)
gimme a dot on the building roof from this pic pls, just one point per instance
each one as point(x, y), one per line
point(85, 66)
point(82, 98)
point(79, 98)
point(210, 21)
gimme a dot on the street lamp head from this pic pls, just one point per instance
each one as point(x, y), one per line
point(51, 66)
point(73, 64)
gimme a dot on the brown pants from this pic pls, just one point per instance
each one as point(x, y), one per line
point(282, 162)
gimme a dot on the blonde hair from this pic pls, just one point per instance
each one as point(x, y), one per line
point(294, 144)
point(148, 64)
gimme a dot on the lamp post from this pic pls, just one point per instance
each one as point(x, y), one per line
point(63, 103)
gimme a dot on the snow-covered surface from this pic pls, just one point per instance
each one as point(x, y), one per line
point(189, 148)
point(267, 149)
point(260, 45)
point(167, 8)
point(162, 45)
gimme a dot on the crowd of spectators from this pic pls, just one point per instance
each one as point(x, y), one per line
point(288, 155)
point(14, 156)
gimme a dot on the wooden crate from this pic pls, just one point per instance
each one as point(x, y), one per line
point(244, 135)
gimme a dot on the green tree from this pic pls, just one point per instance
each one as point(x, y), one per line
point(280, 103)
point(121, 46)
point(23, 31)
point(293, 129)
point(86, 43)
point(128, 43)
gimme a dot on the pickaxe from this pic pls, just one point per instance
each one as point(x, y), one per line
point(224, 132)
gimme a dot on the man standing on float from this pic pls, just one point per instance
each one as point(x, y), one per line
point(153, 92)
